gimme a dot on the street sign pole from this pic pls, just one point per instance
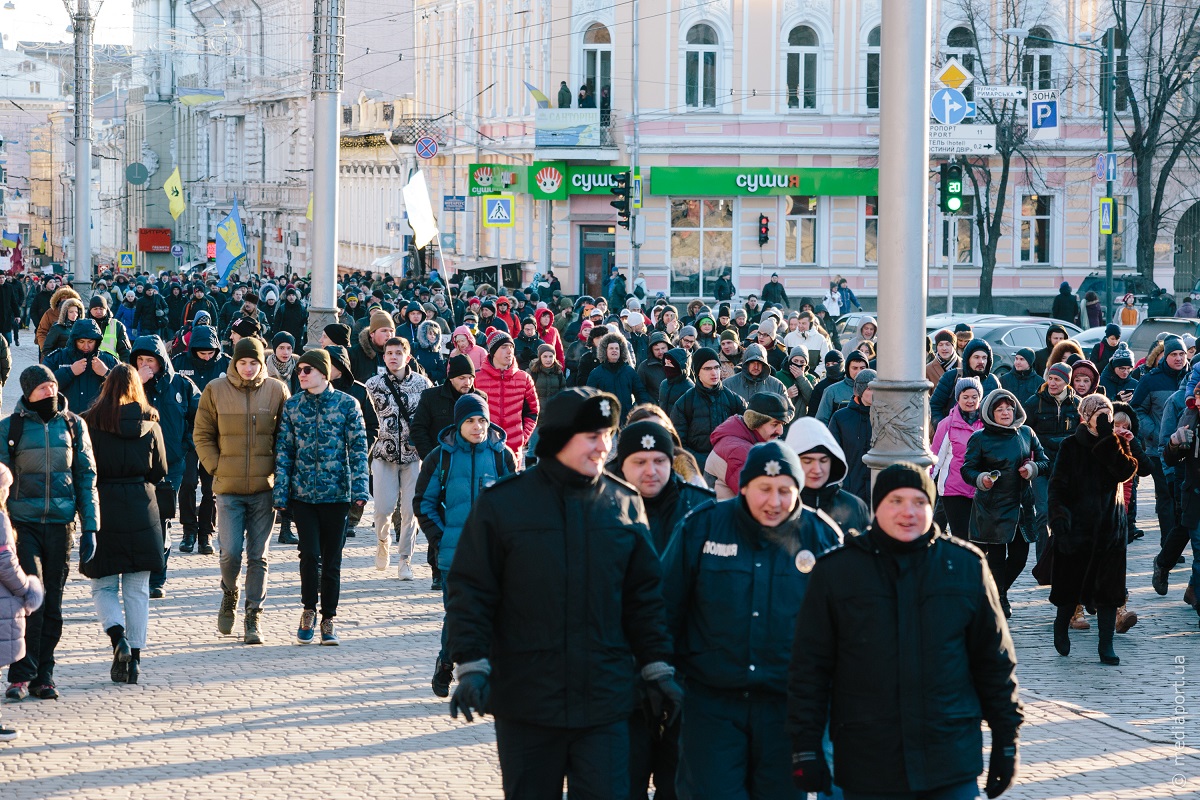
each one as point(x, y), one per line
point(1108, 184)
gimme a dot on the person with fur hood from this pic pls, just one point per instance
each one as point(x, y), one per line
point(1068, 350)
point(427, 350)
point(69, 311)
point(20, 593)
point(615, 374)
point(52, 316)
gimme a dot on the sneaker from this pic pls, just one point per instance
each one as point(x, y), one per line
point(443, 673)
point(7, 734)
point(328, 634)
point(44, 691)
point(308, 623)
point(157, 593)
point(252, 635)
point(228, 613)
point(16, 692)
point(383, 555)
point(1159, 578)
point(404, 573)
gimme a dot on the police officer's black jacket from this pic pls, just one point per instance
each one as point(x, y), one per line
point(677, 499)
point(733, 589)
point(555, 581)
point(907, 651)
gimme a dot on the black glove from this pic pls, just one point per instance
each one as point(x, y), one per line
point(1002, 767)
point(87, 546)
point(664, 700)
point(1104, 426)
point(810, 773)
point(471, 693)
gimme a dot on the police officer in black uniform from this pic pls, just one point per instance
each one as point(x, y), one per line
point(556, 608)
point(734, 576)
point(645, 453)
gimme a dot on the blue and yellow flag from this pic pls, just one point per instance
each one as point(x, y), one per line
point(542, 100)
point(173, 188)
point(231, 244)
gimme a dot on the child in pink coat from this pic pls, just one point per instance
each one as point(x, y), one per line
point(20, 594)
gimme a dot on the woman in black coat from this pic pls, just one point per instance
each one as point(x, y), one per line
point(1006, 445)
point(130, 461)
point(1087, 524)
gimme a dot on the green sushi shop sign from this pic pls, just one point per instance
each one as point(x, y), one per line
point(545, 180)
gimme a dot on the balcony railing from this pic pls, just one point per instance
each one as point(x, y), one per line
point(407, 130)
point(256, 195)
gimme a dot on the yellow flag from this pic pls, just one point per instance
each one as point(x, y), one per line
point(173, 188)
point(308, 215)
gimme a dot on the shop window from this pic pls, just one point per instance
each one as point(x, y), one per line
point(701, 244)
point(800, 230)
point(871, 230)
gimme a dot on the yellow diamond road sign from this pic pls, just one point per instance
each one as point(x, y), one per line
point(954, 75)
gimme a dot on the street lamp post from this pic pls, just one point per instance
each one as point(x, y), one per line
point(328, 21)
point(83, 23)
point(1107, 87)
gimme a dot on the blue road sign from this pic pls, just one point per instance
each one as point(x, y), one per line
point(177, 250)
point(971, 110)
point(498, 211)
point(427, 147)
point(454, 202)
point(948, 106)
point(1110, 166)
point(1043, 114)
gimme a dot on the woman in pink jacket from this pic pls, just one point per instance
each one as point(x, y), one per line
point(463, 342)
point(20, 593)
point(950, 445)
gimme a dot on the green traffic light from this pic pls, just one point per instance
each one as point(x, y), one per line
point(953, 203)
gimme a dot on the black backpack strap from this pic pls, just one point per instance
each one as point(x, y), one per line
point(443, 470)
point(16, 426)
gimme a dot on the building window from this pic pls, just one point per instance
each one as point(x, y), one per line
point(35, 87)
point(1035, 229)
point(960, 44)
point(800, 230)
point(700, 67)
point(597, 60)
point(1121, 206)
point(960, 229)
point(873, 69)
point(802, 68)
point(1037, 65)
point(871, 230)
point(701, 244)
point(347, 115)
point(389, 112)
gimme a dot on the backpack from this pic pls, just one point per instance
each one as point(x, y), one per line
point(576, 350)
point(444, 468)
point(16, 427)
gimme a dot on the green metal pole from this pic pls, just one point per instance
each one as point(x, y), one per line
point(1109, 96)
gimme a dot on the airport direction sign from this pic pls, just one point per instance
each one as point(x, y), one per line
point(962, 140)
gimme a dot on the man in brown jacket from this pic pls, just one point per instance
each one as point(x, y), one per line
point(236, 425)
point(945, 357)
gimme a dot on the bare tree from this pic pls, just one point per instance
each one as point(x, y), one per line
point(1157, 105)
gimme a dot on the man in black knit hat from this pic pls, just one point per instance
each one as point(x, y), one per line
point(551, 585)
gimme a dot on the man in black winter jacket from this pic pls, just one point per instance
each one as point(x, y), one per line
point(734, 579)
point(705, 406)
point(553, 616)
point(435, 409)
point(869, 640)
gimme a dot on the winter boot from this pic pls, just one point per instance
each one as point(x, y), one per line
point(228, 612)
point(443, 673)
point(1079, 621)
point(1160, 578)
point(135, 665)
point(1062, 623)
point(253, 634)
point(1126, 619)
point(204, 546)
point(285, 532)
point(188, 543)
point(1106, 622)
point(119, 672)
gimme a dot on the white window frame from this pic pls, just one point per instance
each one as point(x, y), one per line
point(868, 51)
point(802, 53)
point(966, 56)
point(1051, 234)
point(720, 71)
point(786, 232)
point(596, 51)
point(1043, 56)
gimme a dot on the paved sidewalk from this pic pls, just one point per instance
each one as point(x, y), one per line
point(214, 719)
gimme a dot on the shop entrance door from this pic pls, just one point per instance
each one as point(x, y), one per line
point(597, 257)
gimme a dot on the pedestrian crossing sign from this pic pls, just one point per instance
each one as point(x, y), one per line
point(125, 259)
point(498, 211)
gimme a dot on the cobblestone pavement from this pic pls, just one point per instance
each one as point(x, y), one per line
point(213, 718)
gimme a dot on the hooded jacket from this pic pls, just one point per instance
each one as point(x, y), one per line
point(852, 515)
point(477, 354)
point(851, 428)
point(731, 443)
point(676, 386)
point(858, 338)
point(950, 446)
point(619, 379)
point(176, 398)
point(236, 425)
point(60, 331)
point(839, 394)
point(443, 501)
point(1150, 400)
point(130, 537)
point(50, 315)
point(321, 455)
point(1041, 357)
point(547, 381)
point(194, 368)
point(366, 359)
point(429, 353)
point(80, 390)
point(943, 395)
point(512, 401)
point(54, 472)
point(746, 386)
point(996, 512)
point(544, 318)
point(1065, 305)
point(435, 410)
point(406, 329)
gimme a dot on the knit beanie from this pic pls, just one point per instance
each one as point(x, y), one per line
point(495, 339)
point(798, 352)
point(578, 409)
point(33, 377)
point(340, 358)
point(246, 327)
point(962, 384)
point(688, 330)
point(1029, 356)
point(768, 404)
point(643, 436)
point(1171, 344)
point(862, 380)
point(702, 356)
point(98, 301)
point(318, 359)
point(1122, 357)
point(771, 459)
point(381, 319)
point(730, 336)
point(470, 405)
point(249, 347)
point(338, 334)
point(546, 348)
point(1112, 329)
point(903, 475)
point(460, 365)
point(283, 337)
point(1061, 369)
point(767, 327)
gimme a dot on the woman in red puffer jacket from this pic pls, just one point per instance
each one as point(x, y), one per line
point(512, 398)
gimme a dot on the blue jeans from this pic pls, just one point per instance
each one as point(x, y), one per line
point(959, 791)
point(244, 522)
point(134, 589)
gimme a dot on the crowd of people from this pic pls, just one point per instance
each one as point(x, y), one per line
point(705, 600)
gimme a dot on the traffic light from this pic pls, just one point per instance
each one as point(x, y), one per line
point(764, 229)
point(951, 190)
point(621, 203)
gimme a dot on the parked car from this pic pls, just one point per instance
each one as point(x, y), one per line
point(936, 322)
point(1092, 336)
point(1147, 331)
point(1007, 335)
point(1148, 297)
